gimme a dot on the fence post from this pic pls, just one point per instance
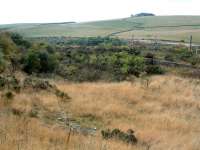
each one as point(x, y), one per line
point(132, 41)
point(190, 43)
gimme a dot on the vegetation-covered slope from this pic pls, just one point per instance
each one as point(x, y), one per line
point(44, 106)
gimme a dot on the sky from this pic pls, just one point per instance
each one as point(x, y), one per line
point(41, 11)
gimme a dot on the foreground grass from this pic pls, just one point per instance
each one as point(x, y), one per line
point(163, 113)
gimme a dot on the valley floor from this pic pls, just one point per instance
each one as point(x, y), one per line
point(162, 110)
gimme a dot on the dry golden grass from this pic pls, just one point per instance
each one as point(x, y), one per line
point(164, 115)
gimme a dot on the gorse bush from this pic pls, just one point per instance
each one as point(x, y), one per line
point(48, 62)
point(169, 57)
point(154, 69)
point(10, 50)
point(195, 60)
point(19, 40)
point(9, 95)
point(106, 65)
point(117, 134)
point(32, 62)
point(7, 45)
point(129, 64)
point(2, 61)
point(40, 62)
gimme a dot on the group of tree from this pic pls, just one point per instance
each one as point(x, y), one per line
point(18, 53)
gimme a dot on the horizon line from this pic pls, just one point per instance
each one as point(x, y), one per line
point(75, 22)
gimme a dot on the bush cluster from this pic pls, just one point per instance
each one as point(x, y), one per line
point(40, 62)
point(92, 66)
point(20, 41)
point(2, 62)
point(79, 59)
point(117, 134)
point(9, 82)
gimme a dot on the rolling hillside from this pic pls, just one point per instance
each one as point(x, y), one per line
point(162, 27)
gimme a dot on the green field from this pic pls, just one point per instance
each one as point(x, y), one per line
point(161, 27)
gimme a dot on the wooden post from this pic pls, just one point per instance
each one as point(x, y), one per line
point(132, 41)
point(191, 43)
point(155, 43)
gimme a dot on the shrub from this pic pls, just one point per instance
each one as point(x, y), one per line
point(195, 60)
point(40, 62)
point(64, 96)
point(19, 40)
point(14, 83)
point(9, 82)
point(137, 66)
point(9, 95)
point(134, 51)
point(150, 56)
point(67, 71)
point(130, 64)
point(50, 49)
point(37, 84)
point(48, 62)
point(2, 82)
point(184, 54)
point(182, 41)
point(33, 113)
point(2, 62)
point(154, 69)
point(106, 65)
point(32, 62)
point(17, 112)
point(169, 57)
point(128, 137)
point(7, 44)
point(88, 74)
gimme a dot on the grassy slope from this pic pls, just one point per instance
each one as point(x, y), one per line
point(143, 27)
point(164, 115)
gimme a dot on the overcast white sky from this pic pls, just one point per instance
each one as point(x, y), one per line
point(26, 11)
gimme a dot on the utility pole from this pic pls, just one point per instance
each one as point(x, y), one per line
point(191, 43)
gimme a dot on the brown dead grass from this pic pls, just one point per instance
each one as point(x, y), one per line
point(164, 115)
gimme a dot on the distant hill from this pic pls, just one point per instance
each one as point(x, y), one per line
point(148, 27)
point(59, 23)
